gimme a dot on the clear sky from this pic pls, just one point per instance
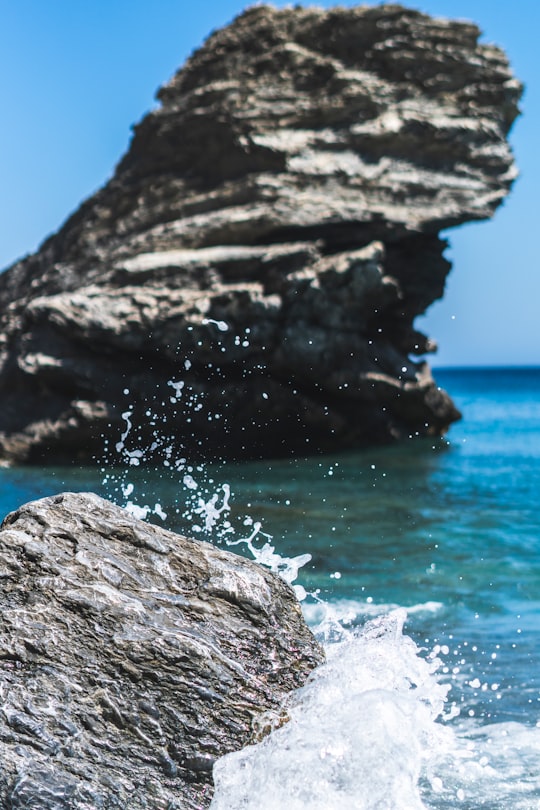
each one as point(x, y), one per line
point(76, 76)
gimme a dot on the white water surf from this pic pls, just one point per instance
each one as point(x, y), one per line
point(374, 728)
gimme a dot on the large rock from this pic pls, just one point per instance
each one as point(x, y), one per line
point(268, 241)
point(131, 657)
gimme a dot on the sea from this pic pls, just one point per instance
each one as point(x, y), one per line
point(417, 566)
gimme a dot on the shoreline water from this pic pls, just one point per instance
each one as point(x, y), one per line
point(449, 531)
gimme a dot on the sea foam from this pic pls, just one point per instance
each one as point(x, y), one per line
point(357, 732)
point(372, 728)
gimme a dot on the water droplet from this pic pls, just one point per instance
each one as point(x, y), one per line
point(221, 325)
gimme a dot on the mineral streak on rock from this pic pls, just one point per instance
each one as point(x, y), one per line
point(268, 239)
point(131, 658)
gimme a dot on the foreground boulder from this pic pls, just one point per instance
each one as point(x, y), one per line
point(131, 657)
point(265, 245)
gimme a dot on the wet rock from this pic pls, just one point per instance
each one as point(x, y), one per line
point(267, 241)
point(131, 658)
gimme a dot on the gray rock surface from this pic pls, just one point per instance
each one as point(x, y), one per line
point(268, 240)
point(131, 657)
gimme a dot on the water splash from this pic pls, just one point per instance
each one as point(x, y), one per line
point(285, 567)
point(177, 386)
point(223, 326)
point(209, 510)
point(357, 736)
point(347, 613)
point(374, 729)
point(371, 730)
point(134, 456)
point(206, 508)
point(493, 766)
point(140, 512)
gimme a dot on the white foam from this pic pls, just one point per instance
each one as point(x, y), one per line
point(356, 737)
point(495, 766)
point(351, 611)
point(365, 733)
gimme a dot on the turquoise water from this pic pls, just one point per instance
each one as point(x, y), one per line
point(448, 529)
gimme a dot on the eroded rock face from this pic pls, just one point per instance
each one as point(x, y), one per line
point(267, 241)
point(131, 657)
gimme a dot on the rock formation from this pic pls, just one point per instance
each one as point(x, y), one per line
point(131, 658)
point(265, 245)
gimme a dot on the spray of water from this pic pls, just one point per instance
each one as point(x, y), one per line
point(356, 737)
point(286, 567)
point(370, 730)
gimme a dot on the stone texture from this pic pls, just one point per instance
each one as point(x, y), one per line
point(131, 657)
point(268, 240)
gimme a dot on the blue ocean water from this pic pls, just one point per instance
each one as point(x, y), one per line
point(447, 529)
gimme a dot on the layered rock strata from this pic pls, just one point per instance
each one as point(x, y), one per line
point(265, 245)
point(131, 658)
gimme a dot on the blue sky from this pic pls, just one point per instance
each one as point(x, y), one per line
point(76, 76)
